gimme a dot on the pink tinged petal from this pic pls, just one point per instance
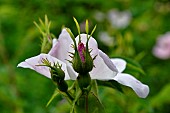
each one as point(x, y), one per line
point(119, 63)
point(61, 48)
point(101, 71)
point(37, 60)
point(162, 53)
point(140, 89)
point(54, 50)
point(107, 61)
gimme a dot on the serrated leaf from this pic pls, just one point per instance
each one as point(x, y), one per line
point(111, 83)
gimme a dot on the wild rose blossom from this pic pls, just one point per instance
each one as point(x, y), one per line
point(104, 67)
point(162, 47)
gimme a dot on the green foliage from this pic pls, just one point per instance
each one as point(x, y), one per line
point(111, 83)
point(24, 91)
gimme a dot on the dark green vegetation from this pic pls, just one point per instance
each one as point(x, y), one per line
point(25, 91)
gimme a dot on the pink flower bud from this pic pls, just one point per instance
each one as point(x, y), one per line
point(81, 51)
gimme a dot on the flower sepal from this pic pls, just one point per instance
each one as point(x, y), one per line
point(59, 81)
point(57, 75)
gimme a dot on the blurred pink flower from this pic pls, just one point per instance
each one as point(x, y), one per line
point(162, 47)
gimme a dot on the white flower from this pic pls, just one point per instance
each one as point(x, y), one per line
point(162, 47)
point(119, 19)
point(104, 68)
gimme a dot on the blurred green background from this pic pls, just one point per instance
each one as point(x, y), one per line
point(25, 91)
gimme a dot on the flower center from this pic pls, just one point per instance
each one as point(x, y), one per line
point(81, 51)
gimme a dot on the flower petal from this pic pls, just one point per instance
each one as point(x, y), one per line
point(73, 75)
point(37, 60)
point(101, 71)
point(119, 63)
point(140, 89)
point(61, 48)
point(107, 61)
point(54, 42)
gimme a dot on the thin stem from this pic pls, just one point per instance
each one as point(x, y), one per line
point(86, 102)
point(68, 94)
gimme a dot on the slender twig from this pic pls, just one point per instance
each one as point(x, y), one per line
point(68, 94)
point(86, 102)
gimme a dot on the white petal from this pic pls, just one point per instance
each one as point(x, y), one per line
point(119, 63)
point(72, 73)
point(140, 89)
point(37, 60)
point(54, 42)
point(107, 61)
point(25, 65)
point(61, 48)
point(101, 71)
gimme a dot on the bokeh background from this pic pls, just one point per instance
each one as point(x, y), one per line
point(126, 28)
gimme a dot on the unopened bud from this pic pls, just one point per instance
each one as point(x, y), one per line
point(58, 75)
point(82, 61)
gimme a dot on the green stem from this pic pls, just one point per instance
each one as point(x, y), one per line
point(86, 102)
point(70, 97)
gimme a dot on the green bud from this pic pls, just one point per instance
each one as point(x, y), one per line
point(58, 75)
point(62, 86)
point(44, 29)
point(82, 60)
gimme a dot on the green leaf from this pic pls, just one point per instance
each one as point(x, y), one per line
point(72, 37)
point(87, 27)
point(77, 25)
point(111, 83)
point(162, 97)
point(78, 95)
point(44, 28)
point(89, 103)
point(133, 66)
point(56, 92)
point(94, 87)
point(93, 30)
